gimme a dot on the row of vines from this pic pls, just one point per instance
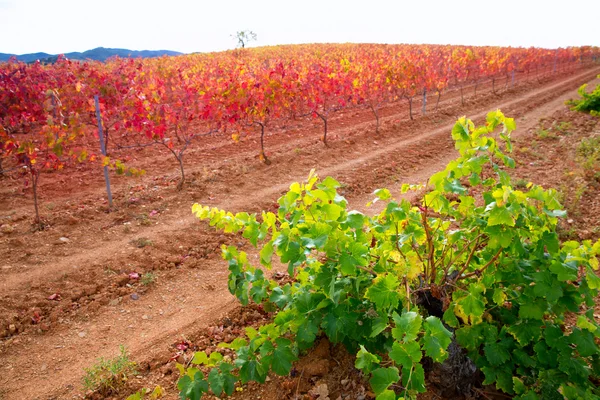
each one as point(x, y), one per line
point(49, 118)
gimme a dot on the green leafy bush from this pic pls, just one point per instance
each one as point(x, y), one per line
point(589, 102)
point(477, 263)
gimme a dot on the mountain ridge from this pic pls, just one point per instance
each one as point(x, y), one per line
point(97, 54)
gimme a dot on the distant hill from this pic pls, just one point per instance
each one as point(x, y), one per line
point(97, 54)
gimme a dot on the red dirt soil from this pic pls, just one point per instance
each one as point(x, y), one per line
point(66, 293)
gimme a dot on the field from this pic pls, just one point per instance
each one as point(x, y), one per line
point(148, 275)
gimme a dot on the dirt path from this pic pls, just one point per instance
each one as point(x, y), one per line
point(183, 298)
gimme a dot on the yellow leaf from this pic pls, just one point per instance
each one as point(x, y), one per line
point(461, 313)
point(594, 263)
point(414, 267)
point(157, 392)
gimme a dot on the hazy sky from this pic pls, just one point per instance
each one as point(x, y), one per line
point(60, 26)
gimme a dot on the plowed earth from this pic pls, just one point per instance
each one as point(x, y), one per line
point(70, 293)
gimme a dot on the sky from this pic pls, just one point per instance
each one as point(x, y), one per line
point(62, 26)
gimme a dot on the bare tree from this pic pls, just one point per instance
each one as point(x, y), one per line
point(243, 37)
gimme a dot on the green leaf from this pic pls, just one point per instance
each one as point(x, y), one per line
point(266, 254)
point(533, 309)
point(500, 215)
point(414, 378)
point(348, 264)
point(307, 302)
point(518, 385)
point(366, 361)
point(504, 381)
point(450, 317)
point(546, 285)
point(382, 378)
point(406, 354)
point(408, 326)
point(499, 296)
point(216, 381)
point(236, 344)
point(496, 353)
point(379, 325)
point(500, 236)
point(192, 389)
point(281, 296)
point(575, 367)
point(387, 394)
point(250, 368)
point(555, 337)
point(460, 131)
point(355, 219)
point(259, 291)
point(526, 331)
point(307, 333)
point(585, 342)
point(329, 183)
point(510, 124)
point(283, 357)
point(382, 194)
point(436, 340)
point(454, 186)
point(138, 395)
point(384, 292)
point(549, 241)
point(471, 307)
point(592, 279)
point(545, 355)
point(334, 327)
point(229, 380)
point(200, 358)
point(566, 271)
point(584, 323)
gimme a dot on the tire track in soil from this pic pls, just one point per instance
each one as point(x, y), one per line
point(56, 361)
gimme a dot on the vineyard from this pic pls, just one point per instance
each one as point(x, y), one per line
point(100, 164)
point(51, 113)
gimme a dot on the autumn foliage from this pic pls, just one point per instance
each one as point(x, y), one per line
point(47, 117)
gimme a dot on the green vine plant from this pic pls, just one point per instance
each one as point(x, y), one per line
point(588, 102)
point(476, 265)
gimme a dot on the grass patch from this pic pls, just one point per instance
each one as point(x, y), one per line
point(545, 134)
point(148, 278)
point(143, 219)
point(564, 127)
point(107, 376)
point(521, 183)
point(142, 242)
point(588, 153)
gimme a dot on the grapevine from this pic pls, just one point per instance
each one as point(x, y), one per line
point(47, 117)
point(475, 262)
